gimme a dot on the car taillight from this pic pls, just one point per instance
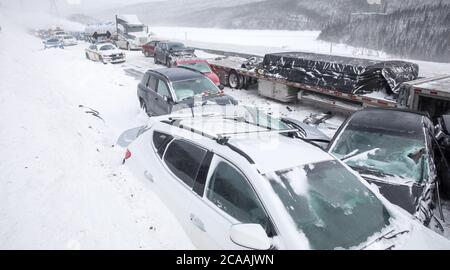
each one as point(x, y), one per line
point(127, 156)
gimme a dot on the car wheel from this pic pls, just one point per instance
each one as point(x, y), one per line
point(100, 58)
point(87, 56)
point(233, 79)
point(146, 54)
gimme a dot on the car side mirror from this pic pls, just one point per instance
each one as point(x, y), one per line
point(221, 87)
point(168, 99)
point(250, 235)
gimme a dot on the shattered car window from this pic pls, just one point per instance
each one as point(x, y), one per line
point(390, 155)
point(329, 204)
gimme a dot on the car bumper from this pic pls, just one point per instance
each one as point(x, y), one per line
point(114, 60)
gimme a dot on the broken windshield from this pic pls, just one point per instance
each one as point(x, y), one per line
point(329, 204)
point(389, 155)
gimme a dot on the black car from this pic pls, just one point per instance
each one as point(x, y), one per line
point(162, 91)
point(396, 150)
point(167, 52)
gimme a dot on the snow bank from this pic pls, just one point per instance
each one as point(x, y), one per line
point(62, 185)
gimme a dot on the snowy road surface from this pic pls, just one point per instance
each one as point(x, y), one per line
point(61, 182)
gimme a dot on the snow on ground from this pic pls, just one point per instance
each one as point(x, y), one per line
point(260, 42)
point(62, 185)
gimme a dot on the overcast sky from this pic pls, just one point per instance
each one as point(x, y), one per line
point(67, 6)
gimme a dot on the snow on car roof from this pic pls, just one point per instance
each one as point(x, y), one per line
point(271, 152)
point(276, 152)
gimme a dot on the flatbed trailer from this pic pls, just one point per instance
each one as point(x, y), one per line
point(231, 73)
point(430, 95)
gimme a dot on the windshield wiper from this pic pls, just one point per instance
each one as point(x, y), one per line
point(371, 171)
point(386, 236)
point(357, 153)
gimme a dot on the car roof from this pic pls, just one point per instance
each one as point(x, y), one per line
point(399, 121)
point(178, 74)
point(174, 43)
point(101, 44)
point(269, 151)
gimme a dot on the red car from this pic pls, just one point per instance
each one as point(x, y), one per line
point(199, 65)
point(148, 49)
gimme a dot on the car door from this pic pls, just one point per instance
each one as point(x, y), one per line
point(181, 161)
point(162, 52)
point(152, 47)
point(150, 96)
point(162, 98)
point(224, 198)
point(158, 51)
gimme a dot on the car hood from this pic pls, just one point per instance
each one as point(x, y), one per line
point(213, 77)
point(422, 238)
point(182, 52)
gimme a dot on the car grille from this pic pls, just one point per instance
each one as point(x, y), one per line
point(116, 56)
point(142, 40)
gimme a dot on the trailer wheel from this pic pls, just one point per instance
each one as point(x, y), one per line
point(245, 82)
point(234, 80)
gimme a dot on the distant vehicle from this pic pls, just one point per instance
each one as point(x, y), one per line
point(100, 32)
point(105, 53)
point(53, 43)
point(236, 185)
point(131, 33)
point(69, 40)
point(168, 52)
point(166, 90)
point(148, 49)
point(200, 65)
point(397, 151)
point(60, 34)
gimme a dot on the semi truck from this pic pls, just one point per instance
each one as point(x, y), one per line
point(430, 95)
point(131, 33)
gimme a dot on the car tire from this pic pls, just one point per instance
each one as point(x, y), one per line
point(87, 56)
point(167, 62)
point(146, 54)
point(234, 80)
point(100, 58)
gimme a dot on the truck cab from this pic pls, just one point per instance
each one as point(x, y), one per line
point(131, 33)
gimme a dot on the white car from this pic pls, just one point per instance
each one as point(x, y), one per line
point(105, 53)
point(234, 184)
point(69, 40)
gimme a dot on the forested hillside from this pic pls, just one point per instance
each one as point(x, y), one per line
point(421, 31)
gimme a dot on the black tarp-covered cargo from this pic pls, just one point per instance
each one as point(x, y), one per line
point(344, 74)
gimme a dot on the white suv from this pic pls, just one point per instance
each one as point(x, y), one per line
point(237, 185)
